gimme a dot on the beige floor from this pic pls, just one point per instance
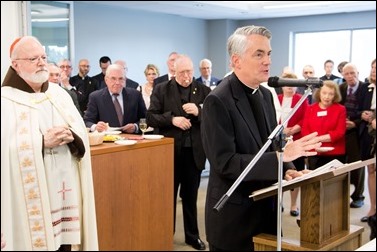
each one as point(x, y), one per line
point(289, 226)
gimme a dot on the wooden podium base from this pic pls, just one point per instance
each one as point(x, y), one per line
point(344, 241)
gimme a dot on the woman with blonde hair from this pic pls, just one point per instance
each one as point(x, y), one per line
point(151, 72)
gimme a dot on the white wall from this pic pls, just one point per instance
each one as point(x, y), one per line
point(137, 37)
point(11, 28)
point(141, 38)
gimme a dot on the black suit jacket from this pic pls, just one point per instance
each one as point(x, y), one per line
point(73, 95)
point(166, 103)
point(352, 135)
point(100, 78)
point(131, 84)
point(160, 79)
point(101, 108)
point(366, 92)
point(231, 140)
point(83, 87)
point(332, 77)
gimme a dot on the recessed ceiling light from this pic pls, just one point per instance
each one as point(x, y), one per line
point(199, 5)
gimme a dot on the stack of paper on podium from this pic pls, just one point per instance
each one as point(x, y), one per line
point(335, 167)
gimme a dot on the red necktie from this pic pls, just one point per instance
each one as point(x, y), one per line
point(350, 91)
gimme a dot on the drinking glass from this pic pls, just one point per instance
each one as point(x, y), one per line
point(143, 125)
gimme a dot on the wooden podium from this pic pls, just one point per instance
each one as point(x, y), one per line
point(325, 212)
point(133, 187)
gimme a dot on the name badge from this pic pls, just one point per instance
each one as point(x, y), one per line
point(322, 113)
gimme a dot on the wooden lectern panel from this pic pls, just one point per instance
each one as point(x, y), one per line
point(133, 188)
point(325, 213)
point(324, 209)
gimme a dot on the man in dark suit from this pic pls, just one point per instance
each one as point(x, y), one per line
point(329, 67)
point(104, 62)
point(171, 71)
point(237, 118)
point(175, 109)
point(115, 106)
point(129, 83)
point(206, 78)
point(55, 77)
point(351, 99)
point(83, 84)
point(368, 107)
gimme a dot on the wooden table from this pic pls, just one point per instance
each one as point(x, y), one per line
point(133, 188)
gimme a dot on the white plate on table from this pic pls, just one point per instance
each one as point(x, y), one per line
point(114, 132)
point(114, 128)
point(125, 142)
point(324, 149)
point(153, 137)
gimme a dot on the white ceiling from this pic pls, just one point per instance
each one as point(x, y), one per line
point(238, 10)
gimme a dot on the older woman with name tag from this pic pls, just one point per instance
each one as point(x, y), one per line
point(328, 118)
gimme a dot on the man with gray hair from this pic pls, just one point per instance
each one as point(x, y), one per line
point(175, 110)
point(129, 83)
point(205, 68)
point(46, 175)
point(237, 118)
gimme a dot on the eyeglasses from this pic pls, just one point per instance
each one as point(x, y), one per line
point(34, 60)
point(65, 67)
point(114, 79)
point(88, 66)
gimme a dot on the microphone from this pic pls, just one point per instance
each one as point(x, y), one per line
point(286, 82)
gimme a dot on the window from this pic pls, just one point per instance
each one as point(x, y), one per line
point(50, 22)
point(314, 48)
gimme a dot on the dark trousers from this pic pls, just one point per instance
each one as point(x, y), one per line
point(357, 177)
point(65, 248)
point(187, 180)
point(213, 248)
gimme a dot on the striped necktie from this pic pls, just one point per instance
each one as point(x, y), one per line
point(350, 91)
point(118, 109)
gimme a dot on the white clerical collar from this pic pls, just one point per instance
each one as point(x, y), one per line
point(253, 89)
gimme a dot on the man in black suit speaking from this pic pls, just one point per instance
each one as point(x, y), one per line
point(237, 118)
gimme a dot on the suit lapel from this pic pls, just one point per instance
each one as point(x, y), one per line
point(268, 111)
point(243, 106)
point(126, 112)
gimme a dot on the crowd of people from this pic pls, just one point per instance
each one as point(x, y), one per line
point(47, 187)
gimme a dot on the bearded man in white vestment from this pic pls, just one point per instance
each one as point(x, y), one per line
point(47, 195)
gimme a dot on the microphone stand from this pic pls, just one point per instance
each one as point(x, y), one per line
point(279, 137)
